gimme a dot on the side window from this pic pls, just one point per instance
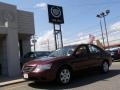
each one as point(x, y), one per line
point(81, 50)
point(94, 49)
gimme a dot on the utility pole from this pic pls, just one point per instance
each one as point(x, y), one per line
point(48, 45)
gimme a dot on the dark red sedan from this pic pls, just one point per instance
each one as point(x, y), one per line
point(62, 63)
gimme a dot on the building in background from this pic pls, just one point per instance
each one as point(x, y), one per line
point(16, 28)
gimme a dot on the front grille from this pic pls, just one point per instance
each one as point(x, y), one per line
point(27, 69)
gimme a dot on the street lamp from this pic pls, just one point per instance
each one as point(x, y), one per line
point(34, 40)
point(101, 30)
point(102, 15)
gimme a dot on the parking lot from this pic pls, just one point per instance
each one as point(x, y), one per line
point(87, 81)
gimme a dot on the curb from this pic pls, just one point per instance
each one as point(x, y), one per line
point(12, 82)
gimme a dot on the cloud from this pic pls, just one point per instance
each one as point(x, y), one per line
point(114, 34)
point(115, 26)
point(41, 5)
point(81, 38)
point(45, 41)
point(48, 37)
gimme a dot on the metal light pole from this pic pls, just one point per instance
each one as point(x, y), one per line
point(48, 45)
point(102, 15)
point(102, 34)
point(101, 31)
point(106, 31)
point(55, 37)
point(34, 42)
point(106, 27)
point(61, 37)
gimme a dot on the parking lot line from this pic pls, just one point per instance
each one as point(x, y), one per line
point(16, 87)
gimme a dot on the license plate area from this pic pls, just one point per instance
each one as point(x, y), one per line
point(25, 76)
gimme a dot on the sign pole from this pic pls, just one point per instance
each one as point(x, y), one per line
point(61, 36)
point(55, 14)
point(55, 37)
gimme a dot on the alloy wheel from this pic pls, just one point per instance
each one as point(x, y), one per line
point(105, 67)
point(65, 76)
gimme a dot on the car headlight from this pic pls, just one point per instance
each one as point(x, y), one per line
point(42, 67)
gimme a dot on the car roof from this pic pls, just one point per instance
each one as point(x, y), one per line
point(77, 45)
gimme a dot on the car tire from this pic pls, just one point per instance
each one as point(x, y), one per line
point(64, 76)
point(105, 67)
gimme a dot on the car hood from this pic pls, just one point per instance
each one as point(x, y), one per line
point(43, 60)
point(46, 60)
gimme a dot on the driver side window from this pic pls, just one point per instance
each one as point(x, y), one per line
point(81, 50)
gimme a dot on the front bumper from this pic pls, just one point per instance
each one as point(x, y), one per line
point(46, 75)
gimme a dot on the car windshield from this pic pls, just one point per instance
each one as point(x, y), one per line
point(65, 51)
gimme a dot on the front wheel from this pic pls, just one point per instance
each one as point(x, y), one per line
point(105, 67)
point(64, 76)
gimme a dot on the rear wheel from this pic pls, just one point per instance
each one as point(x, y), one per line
point(64, 76)
point(105, 67)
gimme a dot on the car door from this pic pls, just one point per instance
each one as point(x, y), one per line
point(95, 55)
point(81, 58)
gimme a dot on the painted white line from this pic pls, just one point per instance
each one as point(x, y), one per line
point(15, 88)
point(10, 82)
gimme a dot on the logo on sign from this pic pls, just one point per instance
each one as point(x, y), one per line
point(55, 11)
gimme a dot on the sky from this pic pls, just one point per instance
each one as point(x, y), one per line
point(79, 17)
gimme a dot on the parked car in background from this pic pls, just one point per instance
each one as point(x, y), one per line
point(33, 55)
point(114, 52)
point(61, 64)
